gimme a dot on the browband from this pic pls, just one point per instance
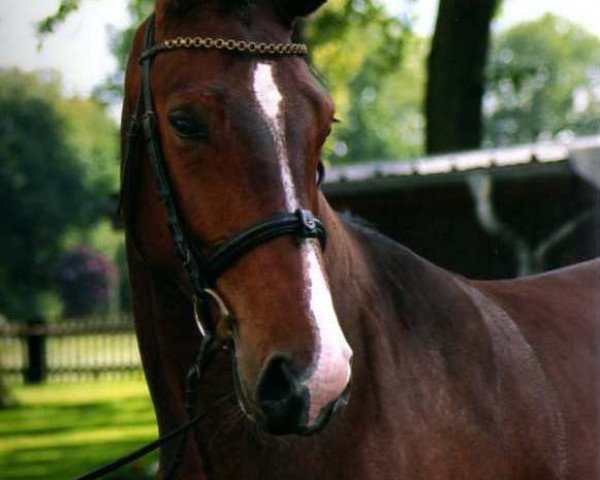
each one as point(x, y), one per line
point(240, 46)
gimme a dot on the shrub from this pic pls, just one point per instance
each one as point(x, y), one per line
point(86, 281)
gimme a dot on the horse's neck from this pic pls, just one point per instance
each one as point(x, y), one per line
point(426, 340)
point(401, 314)
point(389, 287)
point(163, 319)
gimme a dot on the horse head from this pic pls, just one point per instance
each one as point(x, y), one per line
point(241, 131)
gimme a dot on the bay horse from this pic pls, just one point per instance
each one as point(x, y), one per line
point(353, 358)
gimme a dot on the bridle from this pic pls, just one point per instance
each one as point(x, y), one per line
point(203, 268)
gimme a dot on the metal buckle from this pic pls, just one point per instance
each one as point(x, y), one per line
point(223, 326)
point(307, 223)
point(198, 316)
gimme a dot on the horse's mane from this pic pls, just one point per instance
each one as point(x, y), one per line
point(369, 232)
point(358, 222)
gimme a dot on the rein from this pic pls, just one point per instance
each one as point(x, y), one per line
point(205, 352)
point(203, 268)
point(151, 446)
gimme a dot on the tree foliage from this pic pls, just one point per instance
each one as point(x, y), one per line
point(65, 8)
point(111, 90)
point(543, 79)
point(55, 174)
point(359, 49)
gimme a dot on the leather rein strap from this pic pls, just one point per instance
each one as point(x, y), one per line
point(203, 268)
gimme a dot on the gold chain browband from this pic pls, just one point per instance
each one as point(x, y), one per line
point(234, 45)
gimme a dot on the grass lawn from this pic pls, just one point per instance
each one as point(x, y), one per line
point(59, 431)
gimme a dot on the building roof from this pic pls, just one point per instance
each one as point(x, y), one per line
point(579, 155)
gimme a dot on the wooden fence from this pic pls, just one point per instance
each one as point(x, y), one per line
point(36, 352)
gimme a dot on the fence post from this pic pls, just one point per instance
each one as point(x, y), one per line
point(36, 352)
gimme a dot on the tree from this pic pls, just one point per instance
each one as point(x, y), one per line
point(358, 48)
point(455, 68)
point(49, 183)
point(383, 118)
point(543, 79)
point(111, 90)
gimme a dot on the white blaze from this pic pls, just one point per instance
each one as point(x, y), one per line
point(269, 98)
point(332, 370)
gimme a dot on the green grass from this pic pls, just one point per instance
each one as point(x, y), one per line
point(59, 431)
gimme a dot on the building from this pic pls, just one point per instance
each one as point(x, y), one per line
point(488, 213)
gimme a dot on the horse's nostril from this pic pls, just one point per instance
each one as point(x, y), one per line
point(277, 384)
point(282, 400)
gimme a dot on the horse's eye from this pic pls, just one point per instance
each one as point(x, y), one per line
point(188, 124)
point(320, 173)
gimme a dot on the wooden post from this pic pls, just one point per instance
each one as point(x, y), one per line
point(36, 352)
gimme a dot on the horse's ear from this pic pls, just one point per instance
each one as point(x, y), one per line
point(292, 9)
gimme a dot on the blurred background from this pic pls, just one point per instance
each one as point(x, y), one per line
point(469, 130)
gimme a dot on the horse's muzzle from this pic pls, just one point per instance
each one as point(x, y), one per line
point(283, 402)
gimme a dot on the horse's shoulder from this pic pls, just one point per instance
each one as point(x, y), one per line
point(557, 314)
point(556, 311)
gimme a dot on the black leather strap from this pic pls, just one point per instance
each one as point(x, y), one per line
point(195, 264)
point(301, 224)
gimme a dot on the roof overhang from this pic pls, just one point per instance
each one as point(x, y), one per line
point(532, 160)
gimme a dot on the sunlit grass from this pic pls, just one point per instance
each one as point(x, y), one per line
point(59, 431)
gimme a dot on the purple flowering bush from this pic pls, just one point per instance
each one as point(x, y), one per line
point(86, 281)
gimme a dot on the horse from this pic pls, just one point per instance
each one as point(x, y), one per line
point(343, 354)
